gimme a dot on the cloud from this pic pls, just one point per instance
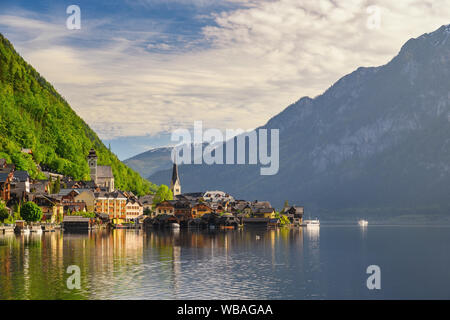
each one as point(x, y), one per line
point(244, 67)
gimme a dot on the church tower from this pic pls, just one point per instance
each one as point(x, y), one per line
point(92, 162)
point(175, 185)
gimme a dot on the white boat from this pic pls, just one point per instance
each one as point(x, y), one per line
point(25, 231)
point(363, 223)
point(311, 223)
point(174, 226)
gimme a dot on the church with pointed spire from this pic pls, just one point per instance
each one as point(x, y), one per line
point(175, 185)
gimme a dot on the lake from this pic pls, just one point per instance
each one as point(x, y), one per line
point(329, 262)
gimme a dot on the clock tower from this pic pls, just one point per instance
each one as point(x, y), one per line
point(92, 162)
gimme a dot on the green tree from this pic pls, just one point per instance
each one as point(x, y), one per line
point(4, 214)
point(57, 185)
point(31, 212)
point(147, 212)
point(162, 194)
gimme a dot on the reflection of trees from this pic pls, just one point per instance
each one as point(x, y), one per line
point(115, 263)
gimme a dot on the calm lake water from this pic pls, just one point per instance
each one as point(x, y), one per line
point(325, 263)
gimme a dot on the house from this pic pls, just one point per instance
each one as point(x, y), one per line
point(52, 207)
point(133, 209)
point(147, 202)
point(200, 209)
point(88, 197)
point(20, 185)
point(71, 184)
point(193, 196)
point(217, 196)
point(74, 207)
point(6, 177)
point(111, 203)
point(295, 214)
point(259, 209)
point(183, 210)
point(101, 175)
point(39, 186)
point(166, 207)
point(5, 185)
point(267, 213)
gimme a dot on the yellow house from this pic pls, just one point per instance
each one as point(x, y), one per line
point(200, 209)
point(87, 197)
point(264, 213)
point(113, 204)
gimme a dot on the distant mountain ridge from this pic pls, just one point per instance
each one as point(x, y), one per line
point(377, 141)
point(34, 116)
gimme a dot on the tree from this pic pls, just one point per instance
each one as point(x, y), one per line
point(31, 212)
point(4, 214)
point(57, 186)
point(147, 212)
point(163, 194)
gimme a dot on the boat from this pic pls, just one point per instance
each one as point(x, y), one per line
point(311, 223)
point(174, 225)
point(363, 223)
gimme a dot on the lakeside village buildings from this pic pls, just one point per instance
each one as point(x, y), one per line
point(111, 205)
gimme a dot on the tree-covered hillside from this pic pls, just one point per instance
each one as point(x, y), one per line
point(33, 115)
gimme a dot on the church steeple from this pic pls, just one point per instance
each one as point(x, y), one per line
point(175, 185)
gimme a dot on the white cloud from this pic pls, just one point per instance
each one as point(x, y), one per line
point(261, 58)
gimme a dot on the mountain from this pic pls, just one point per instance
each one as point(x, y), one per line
point(150, 162)
point(377, 142)
point(33, 115)
point(154, 160)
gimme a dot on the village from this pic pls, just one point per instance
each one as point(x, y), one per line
point(84, 205)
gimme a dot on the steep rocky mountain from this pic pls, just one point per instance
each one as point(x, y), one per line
point(376, 143)
point(33, 115)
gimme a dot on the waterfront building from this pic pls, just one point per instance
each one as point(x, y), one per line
point(165, 207)
point(295, 214)
point(200, 209)
point(113, 204)
point(51, 207)
point(133, 209)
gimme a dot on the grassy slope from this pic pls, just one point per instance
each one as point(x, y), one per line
point(33, 115)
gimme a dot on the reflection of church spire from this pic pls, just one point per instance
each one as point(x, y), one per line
point(175, 185)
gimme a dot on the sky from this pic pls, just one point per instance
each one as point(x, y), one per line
point(138, 69)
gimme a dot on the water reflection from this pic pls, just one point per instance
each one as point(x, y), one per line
point(183, 264)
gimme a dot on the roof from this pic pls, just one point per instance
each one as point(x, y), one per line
point(104, 172)
point(2, 162)
point(21, 175)
point(147, 199)
point(175, 174)
point(105, 194)
point(75, 219)
point(4, 176)
point(92, 154)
